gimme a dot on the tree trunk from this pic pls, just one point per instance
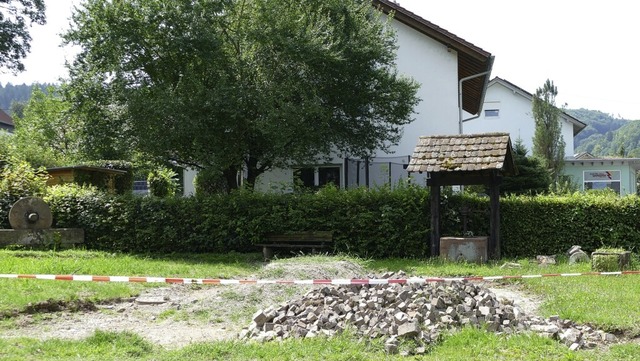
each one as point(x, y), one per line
point(253, 171)
point(230, 176)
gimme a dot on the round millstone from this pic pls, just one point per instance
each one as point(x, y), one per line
point(30, 213)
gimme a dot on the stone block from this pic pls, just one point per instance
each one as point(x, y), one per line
point(259, 318)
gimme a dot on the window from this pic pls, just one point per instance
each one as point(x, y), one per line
point(491, 112)
point(140, 187)
point(305, 176)
point(317, 177)
point(329, 175)
point(602, 179)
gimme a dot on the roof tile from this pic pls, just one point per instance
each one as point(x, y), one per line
point(465, 152)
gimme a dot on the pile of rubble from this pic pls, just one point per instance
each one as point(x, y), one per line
point(413, 310)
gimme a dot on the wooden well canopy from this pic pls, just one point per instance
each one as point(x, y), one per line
point(464, 159)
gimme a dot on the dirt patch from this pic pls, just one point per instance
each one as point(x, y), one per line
point(513, 295)
point(176, 315)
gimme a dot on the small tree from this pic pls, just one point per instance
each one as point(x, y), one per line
point(548, 144)
point(532, 177)
point(162, 182)
point(46, 134)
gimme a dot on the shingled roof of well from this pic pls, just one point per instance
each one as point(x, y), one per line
point(467, 152)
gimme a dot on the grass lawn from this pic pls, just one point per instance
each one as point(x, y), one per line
point(607, 302)
point(17, 294)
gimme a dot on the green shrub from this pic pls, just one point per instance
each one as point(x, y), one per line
point(210, 181)
point(552, 224)
point(162, 182)
point(17, 180)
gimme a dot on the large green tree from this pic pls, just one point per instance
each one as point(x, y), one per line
point(50, 131)
point(548, 143)
point(47, 134)
point(244, 84)
point(15, 18)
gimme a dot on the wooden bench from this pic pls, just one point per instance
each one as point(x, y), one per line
point(316, 240)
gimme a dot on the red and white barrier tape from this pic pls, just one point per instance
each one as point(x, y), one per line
point(368, 281)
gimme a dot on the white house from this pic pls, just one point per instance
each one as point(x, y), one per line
point(450, 71)
point(507, 108)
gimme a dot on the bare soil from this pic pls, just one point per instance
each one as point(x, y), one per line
point(176, 315)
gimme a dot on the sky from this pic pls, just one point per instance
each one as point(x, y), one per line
point(587, 48)
point(45, 62)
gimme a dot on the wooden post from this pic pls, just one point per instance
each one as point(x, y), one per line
point(435, 216)
point(494, 218)
point(346, 173)
point(366, 171)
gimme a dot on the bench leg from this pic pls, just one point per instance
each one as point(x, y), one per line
point(267, 253)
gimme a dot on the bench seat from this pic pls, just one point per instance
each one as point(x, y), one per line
point(315, 240)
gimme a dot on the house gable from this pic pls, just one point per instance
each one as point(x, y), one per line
point(472, 60)
point(507, 108)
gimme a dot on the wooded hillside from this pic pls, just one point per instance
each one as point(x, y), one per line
point(606, 135)
point(10, 93)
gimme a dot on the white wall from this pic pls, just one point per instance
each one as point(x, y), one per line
point(436, 70)
point(277, 180)
point(515, 117)
point(189, 176)
point(567, 134)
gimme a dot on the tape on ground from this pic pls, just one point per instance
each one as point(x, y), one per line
point(354, 281)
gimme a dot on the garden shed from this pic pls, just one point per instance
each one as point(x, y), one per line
point(103, 178)
point(466, 159)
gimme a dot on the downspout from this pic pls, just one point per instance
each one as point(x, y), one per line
point(460, 120)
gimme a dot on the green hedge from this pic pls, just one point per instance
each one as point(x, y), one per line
point(369, 223)
point(551, 224)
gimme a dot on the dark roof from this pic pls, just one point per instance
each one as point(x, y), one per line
point(461, 153)
point(584, 155)
point(578, 125)
point(87, 168)
point(472, 60)
point(5, 120)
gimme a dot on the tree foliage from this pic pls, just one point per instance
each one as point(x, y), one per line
point(47, 134)
point(105, 135)
point(163, 182)
point(15, 18)
point(7, 148)
point(243, 84)
point(598, 124)
point(532, 177)
point(623, 141)
point(548, 143)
